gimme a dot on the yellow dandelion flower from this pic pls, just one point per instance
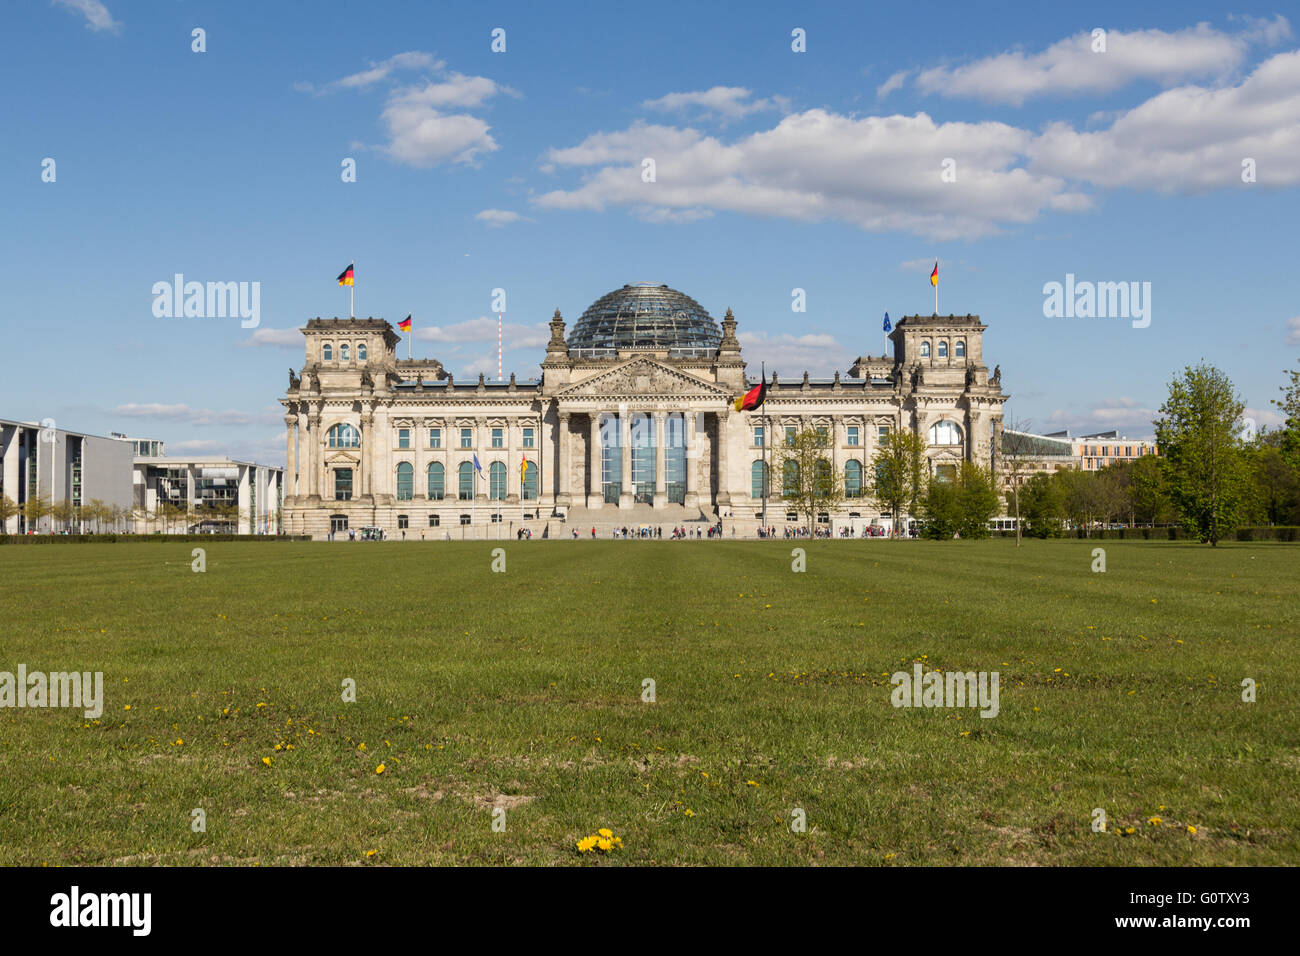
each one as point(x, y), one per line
point(370, 853)
point(604, 845)
point(751, 783)
point(690, 813)
point(379, 769)
point(1130, 830)
point(1154, 821)
point(605, 833)
point(1191, 829)
point(267, 761)
point(888, 857)
point(127, 707)
point(361, 746)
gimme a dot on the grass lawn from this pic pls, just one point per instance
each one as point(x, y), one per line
point(522, 690)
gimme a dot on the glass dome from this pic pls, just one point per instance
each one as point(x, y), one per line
point(645, 315)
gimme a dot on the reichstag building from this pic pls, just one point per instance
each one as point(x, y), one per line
point(631, 422)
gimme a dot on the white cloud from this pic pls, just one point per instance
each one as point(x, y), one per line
point(792, 355)
point(1070, 66)
point(1293, 331)
point(425, 121)
point(880, 173)
point(1189, 139)
point(422, 133)
point(276, 338)
point(96, 14)
point(484, 329)
point(412, 60)
point(500, 217)
point(895, 82)
point(727, 102)
point(196, 416)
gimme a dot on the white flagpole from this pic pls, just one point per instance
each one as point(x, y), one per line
point(936, 287)
point(352, 293)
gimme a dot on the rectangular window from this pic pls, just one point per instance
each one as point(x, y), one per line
point(758, 434)
point(528, 438)
point(467, 438)
point(852, 432)
point(433, 521)
point(403, 438)
point(435, 437)
point(497, 439)
point(403, 522)
point(789, 434)
point(821, 432)
point(342, 484)
point(882, 432)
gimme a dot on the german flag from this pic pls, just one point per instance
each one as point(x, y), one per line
point(345, 277)
point(751, 399)
point(934, 276)
point(405, 324)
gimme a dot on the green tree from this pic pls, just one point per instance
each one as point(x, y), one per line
point(1147, 494)
point(1289, 442)
point(8, 509)
point(34, 509)
point(1275, 484)
point(961, 506)
point(808, 480)
point(1017, 458)
point(1201, 446)
point(898, 473)
point(1044, 506)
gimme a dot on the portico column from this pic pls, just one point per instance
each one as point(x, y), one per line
point(625, 450)
point(562, 479)
point(661, 481)
point(693, 457)
point(290, 447)
point(596, 491)
point(724, 491)
point(314, 454)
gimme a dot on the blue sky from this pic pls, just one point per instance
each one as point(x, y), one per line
point(521, 170)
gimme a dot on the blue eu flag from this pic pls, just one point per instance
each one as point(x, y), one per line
point(887, 326)
point(477, 466)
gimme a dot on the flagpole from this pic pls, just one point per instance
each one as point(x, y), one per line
point(352, 293)
point(936, 288)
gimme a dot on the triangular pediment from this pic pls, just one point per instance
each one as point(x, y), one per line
point(643, 378)
point(341, 457)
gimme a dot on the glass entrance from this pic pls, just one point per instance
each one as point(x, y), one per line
point(643, 459)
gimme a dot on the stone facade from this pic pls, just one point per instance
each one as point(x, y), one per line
point(612, 436)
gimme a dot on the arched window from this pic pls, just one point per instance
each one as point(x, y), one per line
point(344, 436)
point(925, 348)
point(945, 433)
point(959, 348)
point(531, 481)
point(822, 471)
point(790, 479)
point(361, 351)
point(852, 479)
point(405, 481)
point(437, 482)
point(758, 481)
point(497, 481)
point(327, 352)
point(943, 349)
point(344, 352)
point(466, 479)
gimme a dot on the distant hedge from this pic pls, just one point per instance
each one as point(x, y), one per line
point(1263, 533)
point(140, 538)
point(1280, 532)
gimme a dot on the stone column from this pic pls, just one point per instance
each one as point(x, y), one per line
point(625, 499)
point(562, 479)
point(314, 454)
point(290, 449)
point(595, 493)
point(724, 489)
point(693, 458)
point(661, 479)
